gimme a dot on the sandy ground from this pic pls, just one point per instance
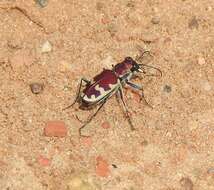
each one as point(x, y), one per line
point(173, 146)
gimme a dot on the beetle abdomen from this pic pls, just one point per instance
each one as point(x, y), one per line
point(103, 84)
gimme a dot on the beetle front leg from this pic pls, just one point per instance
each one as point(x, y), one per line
point(126, 108)
point(79, 90)
point(138, 88)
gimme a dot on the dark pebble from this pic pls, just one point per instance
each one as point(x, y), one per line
point(155, 20)
point(186, 183)
point(193, 23)
point(167, 88)
point(42, 3)
point(210, 171)
point(130, 4)
point(36, 88)
point(99, 6)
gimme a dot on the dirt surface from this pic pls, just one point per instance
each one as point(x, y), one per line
point(56, 45)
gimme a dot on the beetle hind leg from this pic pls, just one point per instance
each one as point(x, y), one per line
point(79, 91)
point(126, 109)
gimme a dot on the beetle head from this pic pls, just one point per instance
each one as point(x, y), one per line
point(133, 65)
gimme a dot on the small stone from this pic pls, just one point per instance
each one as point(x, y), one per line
point(186, 183)
point(193, 23)
point(42, 3)
point(102, 167)
point(36, 88)
point(206, 86)
point(55, 129)
point(99, 6)
point(209, 8)
point(106, 125)
point(79, 183)
point(193, 125)
point(144, 143)
point(167, 88)
point(130, 4)
point(155, 20)
point(43, 161)
point(46, 47)
point(201, 60)
point(210, 171)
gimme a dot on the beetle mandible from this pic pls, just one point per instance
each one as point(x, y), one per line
point(109, 82)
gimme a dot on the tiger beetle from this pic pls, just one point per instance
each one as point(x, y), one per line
point(108, 83)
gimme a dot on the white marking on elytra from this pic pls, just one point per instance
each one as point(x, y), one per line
point(102, 91)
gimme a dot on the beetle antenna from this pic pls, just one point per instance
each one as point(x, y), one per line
point(149, 66)
point(142, 54)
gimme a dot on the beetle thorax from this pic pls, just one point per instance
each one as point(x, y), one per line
point(122, 69)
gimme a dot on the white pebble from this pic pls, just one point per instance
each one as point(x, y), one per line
point(209, 8)
point(206, 86)
point(201, 61)
point(46, 47)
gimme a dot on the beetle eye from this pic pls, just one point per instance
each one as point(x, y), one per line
point(128, 59)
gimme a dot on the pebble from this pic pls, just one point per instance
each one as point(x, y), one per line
point(105, 125)
point(46, 47)
point(209, 8)
point(167, 88)
point(42, 3)
point(99, 6)
point(186, 183)
point(193, 23)
point(55, 129)
point(78, 183)
point(193, 125)
point(43, 161)
point(206, 86)
point(155, 20)
point(130, 4)
point(201, 60)
point(36, 88)
point(102, 167)
point(210, 171)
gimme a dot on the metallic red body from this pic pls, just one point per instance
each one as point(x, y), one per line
point(103, 79)
point(105, 83)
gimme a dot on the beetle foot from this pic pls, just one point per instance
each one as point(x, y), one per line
point(142, 98)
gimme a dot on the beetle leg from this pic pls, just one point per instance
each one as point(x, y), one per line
point(125, 108)
point(78, 94)
point(138, 88)
point(89, 120)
